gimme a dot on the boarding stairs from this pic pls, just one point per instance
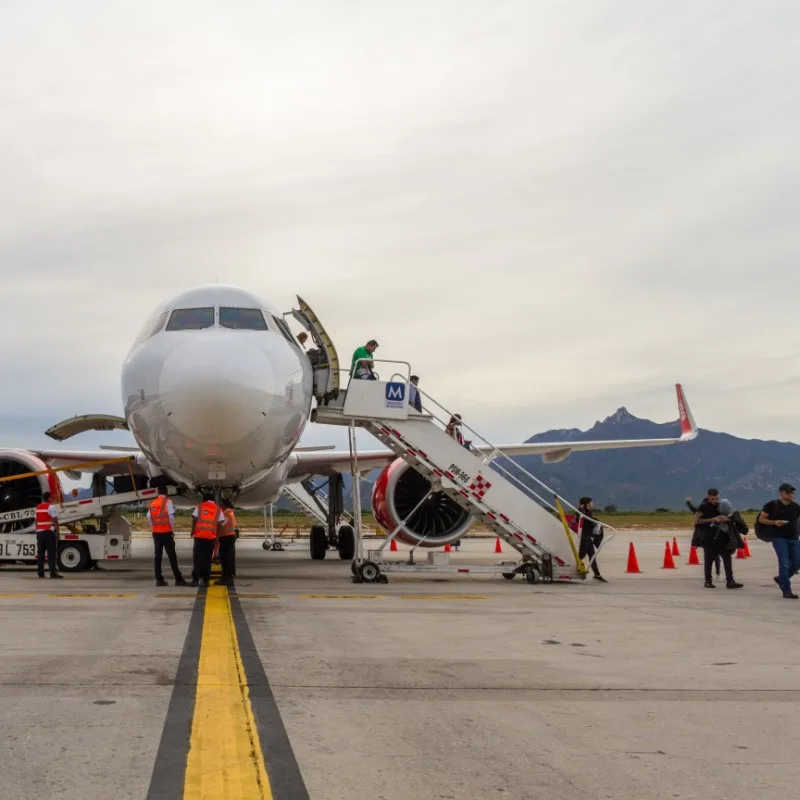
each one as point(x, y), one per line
point(302, 499)
point(524, 512)
point(315, 504)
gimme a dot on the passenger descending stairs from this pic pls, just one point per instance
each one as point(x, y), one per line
point(523, 518)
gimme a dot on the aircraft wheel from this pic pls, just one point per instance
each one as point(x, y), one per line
point(347, 543)
point(318, 542)
point(265, 545)
point(369, 572)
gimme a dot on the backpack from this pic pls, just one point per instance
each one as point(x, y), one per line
point(739, 523)
point(764, 532)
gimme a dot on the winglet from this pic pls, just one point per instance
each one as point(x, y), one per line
point(688, 425)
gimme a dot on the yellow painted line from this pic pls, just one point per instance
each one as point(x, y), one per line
point(444, 597)
point(15, 594)
point(343, 596)
point(84, 595)
point(225, 760)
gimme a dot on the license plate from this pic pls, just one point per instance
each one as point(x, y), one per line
point(16, 548)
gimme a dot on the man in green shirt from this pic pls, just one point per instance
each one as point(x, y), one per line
point(363, 368)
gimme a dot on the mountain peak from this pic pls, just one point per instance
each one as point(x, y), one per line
point(620, 417)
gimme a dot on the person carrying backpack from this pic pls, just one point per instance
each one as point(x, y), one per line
point(778, 522)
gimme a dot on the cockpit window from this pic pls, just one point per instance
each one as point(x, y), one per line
point(191, 319)
point(281, 325)
point(153, 327)
point(242, 319)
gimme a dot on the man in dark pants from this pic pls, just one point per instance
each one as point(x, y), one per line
point(715, 541)
point(47, 536)
point(782, 516)
point(227, 545)
point(161, 517)
point(207, 519)
point(590, 536)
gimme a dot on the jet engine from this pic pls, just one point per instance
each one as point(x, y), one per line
point(437, 522)
point(23, 494)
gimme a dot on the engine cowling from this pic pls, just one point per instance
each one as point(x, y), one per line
point(437, 522)
point(18, 497)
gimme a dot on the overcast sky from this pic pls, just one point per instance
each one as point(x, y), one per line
point(551, 209)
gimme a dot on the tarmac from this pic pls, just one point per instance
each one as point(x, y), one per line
point(301, 684)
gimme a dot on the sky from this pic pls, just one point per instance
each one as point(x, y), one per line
point(549, 209)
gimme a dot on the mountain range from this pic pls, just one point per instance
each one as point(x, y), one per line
point(746, 471)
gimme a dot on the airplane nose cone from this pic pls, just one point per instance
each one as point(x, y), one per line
point(216, 391)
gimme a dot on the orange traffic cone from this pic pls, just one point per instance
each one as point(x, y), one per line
point(675, 550)
point(669, 561)
point(633, 562)
point(747, 552)
point(693, 559)
point(447, 548)
point(498, 546)
point(393, 546)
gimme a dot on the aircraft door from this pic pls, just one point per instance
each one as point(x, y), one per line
point(323, 356)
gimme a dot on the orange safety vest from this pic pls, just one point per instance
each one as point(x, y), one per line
point(44, 522)
point(205, 526)
point(229, 526)
point(159, 518)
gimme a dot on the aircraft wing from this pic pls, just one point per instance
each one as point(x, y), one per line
point(107, 461)
point(308, 464)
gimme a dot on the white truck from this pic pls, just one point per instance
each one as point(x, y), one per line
point(90, 531)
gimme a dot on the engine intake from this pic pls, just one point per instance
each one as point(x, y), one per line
point(438, 521)
point(19, 497)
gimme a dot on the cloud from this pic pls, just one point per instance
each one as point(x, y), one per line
point(550, 211)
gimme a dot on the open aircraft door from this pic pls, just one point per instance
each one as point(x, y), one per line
point(324, 358)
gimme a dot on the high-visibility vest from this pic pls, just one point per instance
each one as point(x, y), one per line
point(159, 518)
point(44, 522)
point(229, 526)
point(205, 526)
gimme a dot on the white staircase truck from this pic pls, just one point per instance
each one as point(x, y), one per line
point(522, 511)
point(90, 531)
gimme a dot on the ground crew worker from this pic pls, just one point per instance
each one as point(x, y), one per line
point(161, 517)
point(206, 521)
point(47, 536)
point(227, 544)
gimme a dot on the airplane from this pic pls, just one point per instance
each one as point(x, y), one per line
point(217, 392)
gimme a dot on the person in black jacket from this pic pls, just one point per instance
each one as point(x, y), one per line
point(697, 535)
point(714, 528)
point(591, 536)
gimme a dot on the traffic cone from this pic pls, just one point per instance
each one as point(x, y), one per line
point(447, 548)
point(747, 552)
point(633, 562)
point(669, 561)
point(693, 559)
point(740, 553)
point(675, 550)
point(393, 546)
point(498, 547)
